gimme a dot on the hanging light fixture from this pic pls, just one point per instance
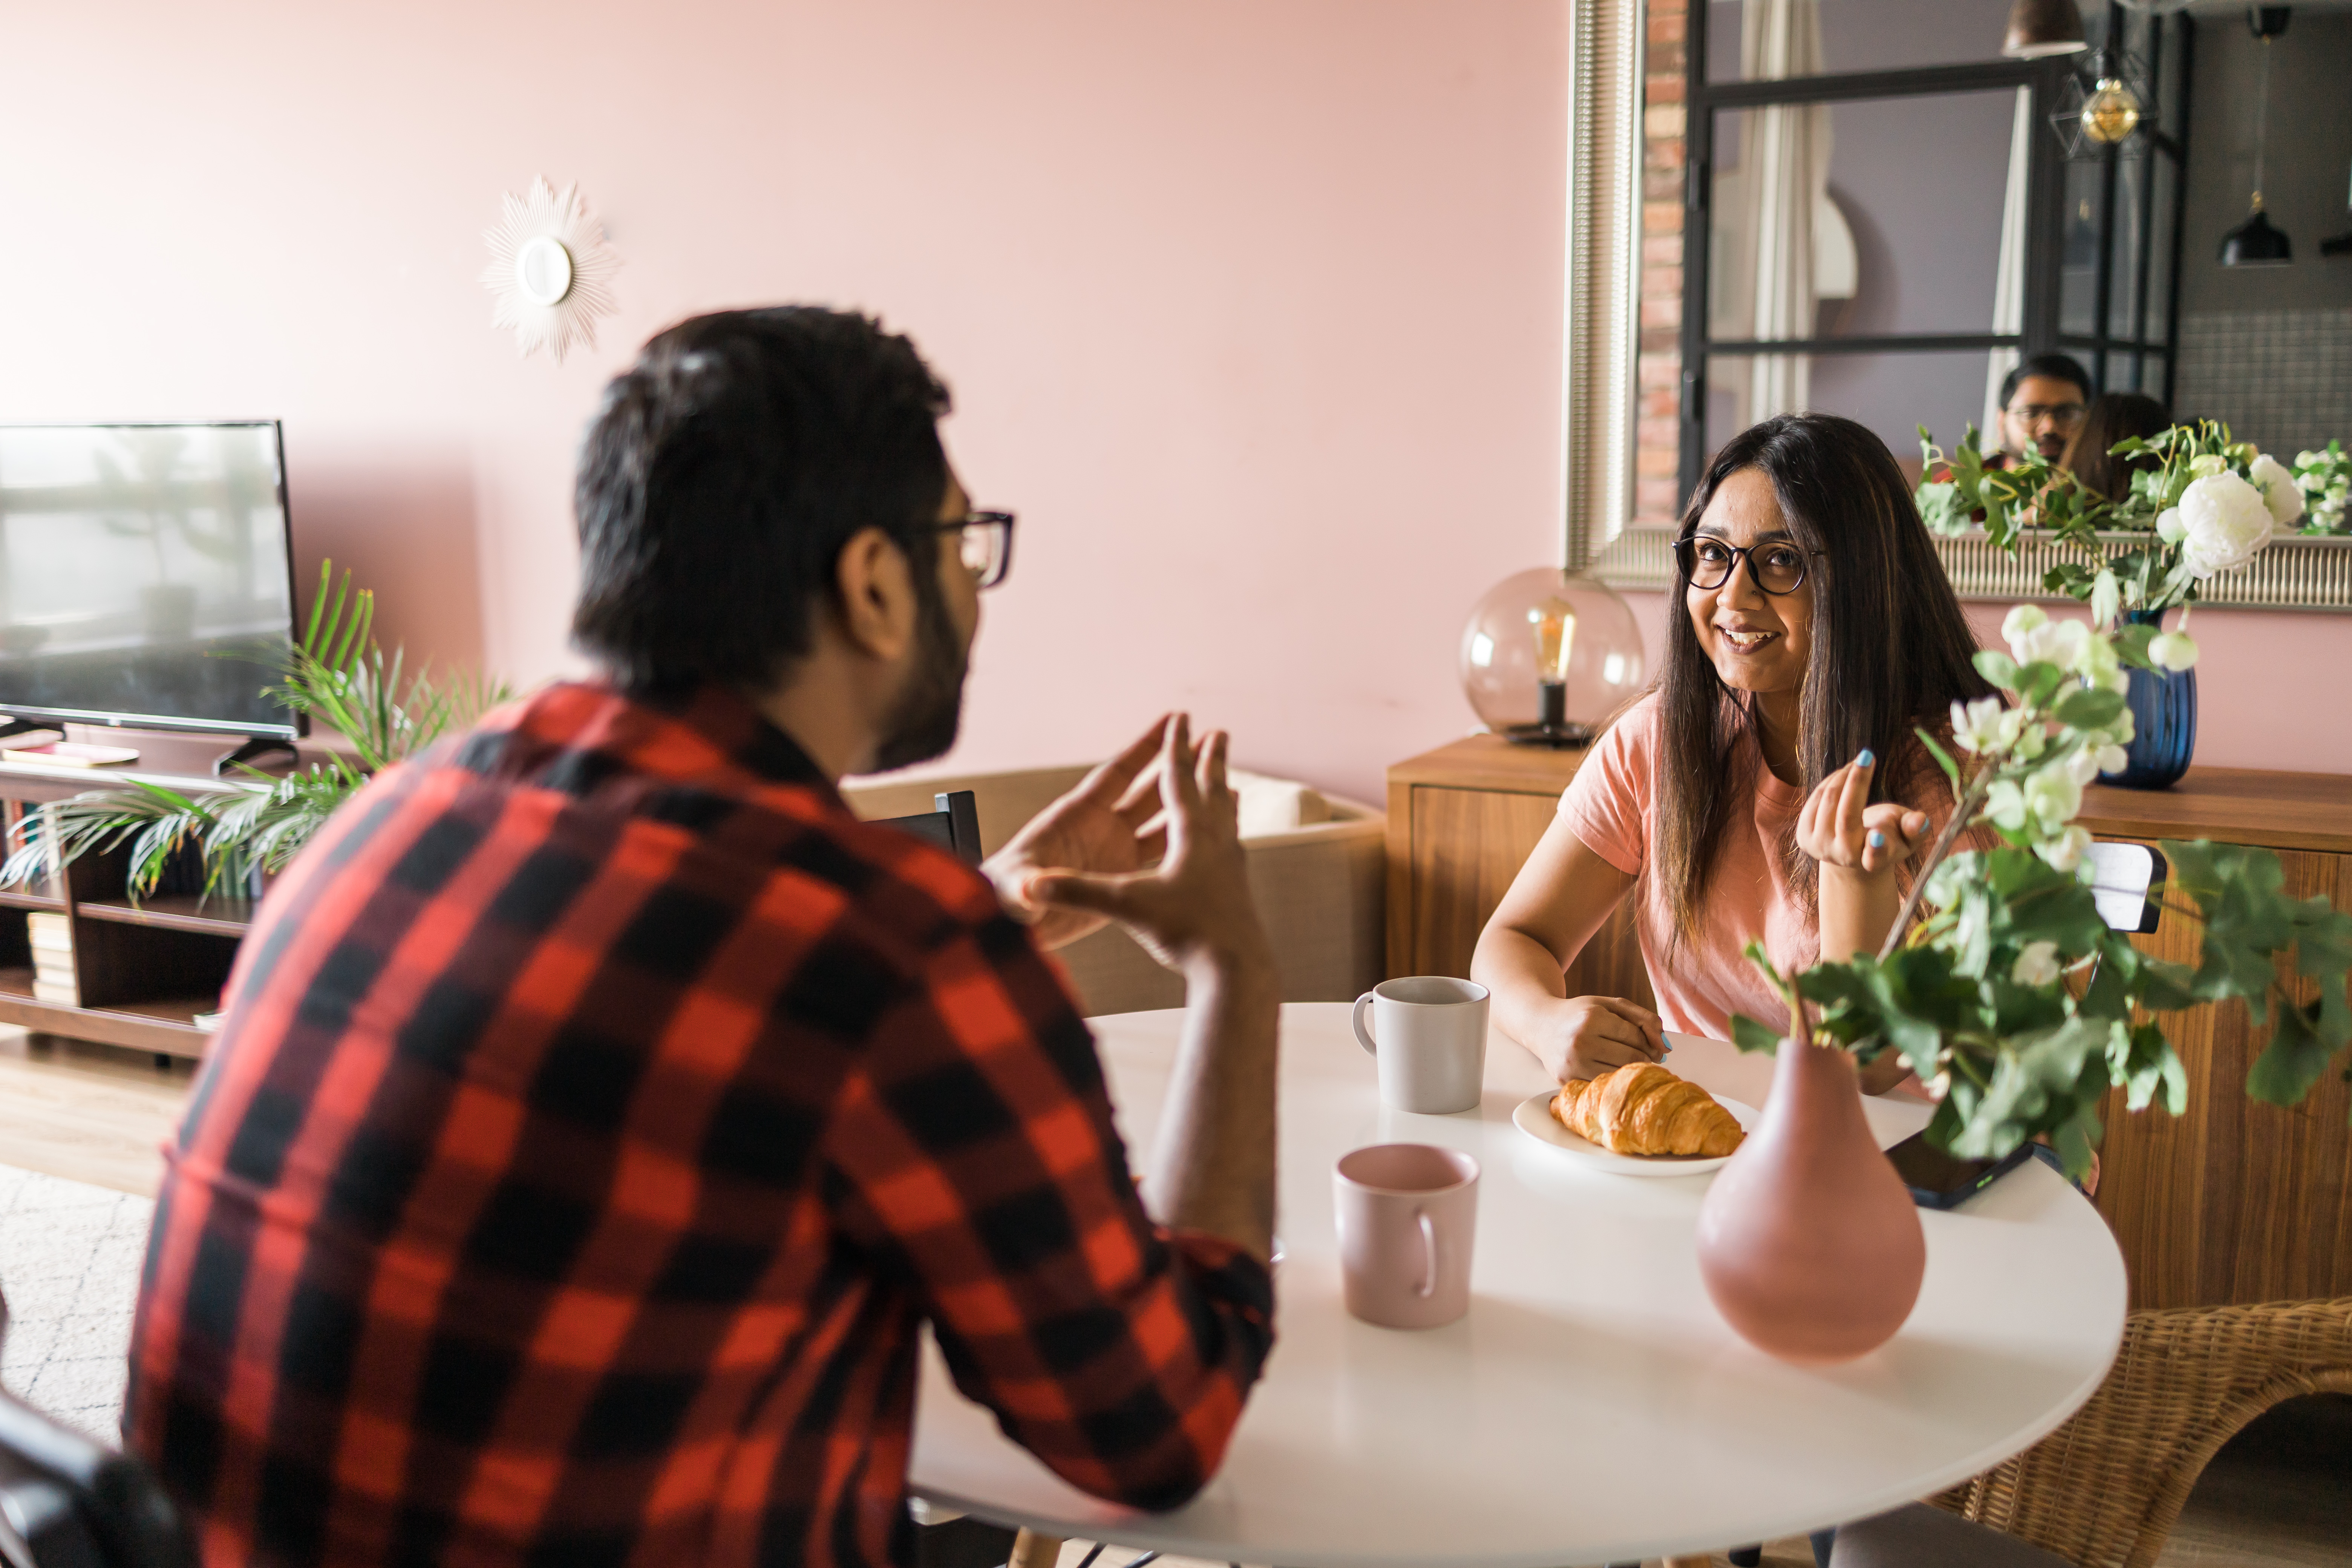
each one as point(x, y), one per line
point(2256, 242)
point(2039, 28)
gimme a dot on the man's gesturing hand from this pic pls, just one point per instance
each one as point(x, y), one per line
point(1108, 825)
point(1194, 908)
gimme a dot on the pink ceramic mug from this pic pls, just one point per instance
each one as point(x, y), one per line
point(1408, 1214)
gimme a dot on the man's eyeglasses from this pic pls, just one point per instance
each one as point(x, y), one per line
point(1707, 562)
point(2065, 415)
point(984, 543)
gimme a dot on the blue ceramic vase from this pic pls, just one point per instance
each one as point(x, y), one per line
point(2164, 721)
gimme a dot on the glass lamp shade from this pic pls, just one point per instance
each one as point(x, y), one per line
point(1568, 630)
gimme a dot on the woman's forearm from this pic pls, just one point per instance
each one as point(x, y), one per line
point(1523, 977)
point(1857, 910)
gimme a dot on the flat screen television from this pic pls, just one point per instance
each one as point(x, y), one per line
point(146, 575)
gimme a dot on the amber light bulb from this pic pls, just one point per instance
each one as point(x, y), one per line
point(1555, 628)
point(2111, 112)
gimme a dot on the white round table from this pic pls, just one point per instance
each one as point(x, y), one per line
point(1592, 1407)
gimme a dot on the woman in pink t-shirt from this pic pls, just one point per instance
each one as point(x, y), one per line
point(1770, 788)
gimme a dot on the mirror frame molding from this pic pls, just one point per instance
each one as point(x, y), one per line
point(1600, 395)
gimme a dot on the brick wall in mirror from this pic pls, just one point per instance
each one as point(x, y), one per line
point(1861, 208)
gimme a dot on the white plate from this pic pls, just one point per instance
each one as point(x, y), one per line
point(1535, 1119)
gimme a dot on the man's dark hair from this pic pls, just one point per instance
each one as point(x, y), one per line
point(723, 475)
point(2056, 366)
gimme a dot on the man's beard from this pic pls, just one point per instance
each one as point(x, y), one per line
point(922, 722)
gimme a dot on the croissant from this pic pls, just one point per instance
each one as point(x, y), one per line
point(1642, 1109)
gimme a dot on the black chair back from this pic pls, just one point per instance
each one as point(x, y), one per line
point(954, 825)
point(68, 1502)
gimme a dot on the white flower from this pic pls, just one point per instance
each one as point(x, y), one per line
point(2022, 619)
point(2082, 767)
point(2112, 759)
point(2036, 966)
point(2005, 803)
point(1986, 726)
point(2280, 492)
point(2053, 797)
point(2226, 522)
point(2172, 651)
point(2170, 526)
point(2064, 853)
point(1947, 881)
point(2210, 464)
point(2054, 642)
point(2099, 665)
point(2106, 598)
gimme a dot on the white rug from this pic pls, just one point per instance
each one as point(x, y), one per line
point(69, 1260)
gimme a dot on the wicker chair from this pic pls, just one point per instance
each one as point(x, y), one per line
point(2104, 1490)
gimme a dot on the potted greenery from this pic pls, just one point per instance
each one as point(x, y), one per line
point(247, 829)
point(2200, 504)
point(2011, 997)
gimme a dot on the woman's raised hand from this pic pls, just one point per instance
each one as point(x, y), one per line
point(1838, 828)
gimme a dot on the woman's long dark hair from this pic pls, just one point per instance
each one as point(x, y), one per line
point(1890, 650)
point(2112, 417)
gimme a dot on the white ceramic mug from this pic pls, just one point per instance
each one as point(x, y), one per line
point(1429, 1032)
point(1407, 1215)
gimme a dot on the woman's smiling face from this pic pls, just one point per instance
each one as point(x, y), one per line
point(1756, 641)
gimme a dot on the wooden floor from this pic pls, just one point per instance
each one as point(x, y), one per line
point(2278, 1497)
point(89, 1113)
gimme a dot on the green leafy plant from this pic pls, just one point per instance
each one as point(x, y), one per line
point(2200, 504)
point(2324, 477)
point(2010, 993)
point(339, 675)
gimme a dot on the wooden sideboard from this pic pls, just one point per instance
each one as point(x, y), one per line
point(2234, 1202)
point(1461, 822)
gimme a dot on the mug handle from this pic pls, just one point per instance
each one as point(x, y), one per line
point(1362, 1038)
point(1428, 1286)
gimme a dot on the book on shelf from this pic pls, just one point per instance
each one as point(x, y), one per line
point(65, 993)
point(48, 933)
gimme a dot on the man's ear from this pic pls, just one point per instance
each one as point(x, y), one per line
point(873, 595)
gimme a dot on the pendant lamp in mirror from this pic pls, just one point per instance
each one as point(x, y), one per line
point(2257, 242)
point(2040, 27)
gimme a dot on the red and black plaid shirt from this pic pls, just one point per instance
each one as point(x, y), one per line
point(600, 1110)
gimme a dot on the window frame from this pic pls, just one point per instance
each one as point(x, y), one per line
point(2044, 227)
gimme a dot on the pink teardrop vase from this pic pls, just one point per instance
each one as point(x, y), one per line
point(1809, 1242)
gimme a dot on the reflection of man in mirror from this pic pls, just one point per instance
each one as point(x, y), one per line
point(2042, 405)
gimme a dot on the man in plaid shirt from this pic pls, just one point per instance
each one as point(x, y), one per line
point(601, 1108)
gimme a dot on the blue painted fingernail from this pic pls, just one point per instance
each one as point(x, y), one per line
point(1877, 839)
point(1867, 757)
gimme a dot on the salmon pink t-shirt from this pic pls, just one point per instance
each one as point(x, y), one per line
point(1610, 805)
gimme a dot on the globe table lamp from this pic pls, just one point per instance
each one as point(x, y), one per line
point(1547, 656)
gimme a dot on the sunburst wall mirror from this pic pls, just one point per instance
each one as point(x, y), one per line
point(549, 271)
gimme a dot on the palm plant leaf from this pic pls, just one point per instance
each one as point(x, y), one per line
point(337, 673)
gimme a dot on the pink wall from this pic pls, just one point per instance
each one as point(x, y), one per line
point(1251, 311)
point(2267, 689)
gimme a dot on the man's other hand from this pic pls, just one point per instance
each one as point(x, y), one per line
point(1109, 826)
point(1194, 909)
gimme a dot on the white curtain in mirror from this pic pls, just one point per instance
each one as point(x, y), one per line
point(1769, 253)
point(2009, 285)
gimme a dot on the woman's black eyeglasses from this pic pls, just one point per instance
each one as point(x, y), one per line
point(984, 543)
point(1708, 562)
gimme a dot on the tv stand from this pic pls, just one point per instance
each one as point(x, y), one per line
point(255, 747)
